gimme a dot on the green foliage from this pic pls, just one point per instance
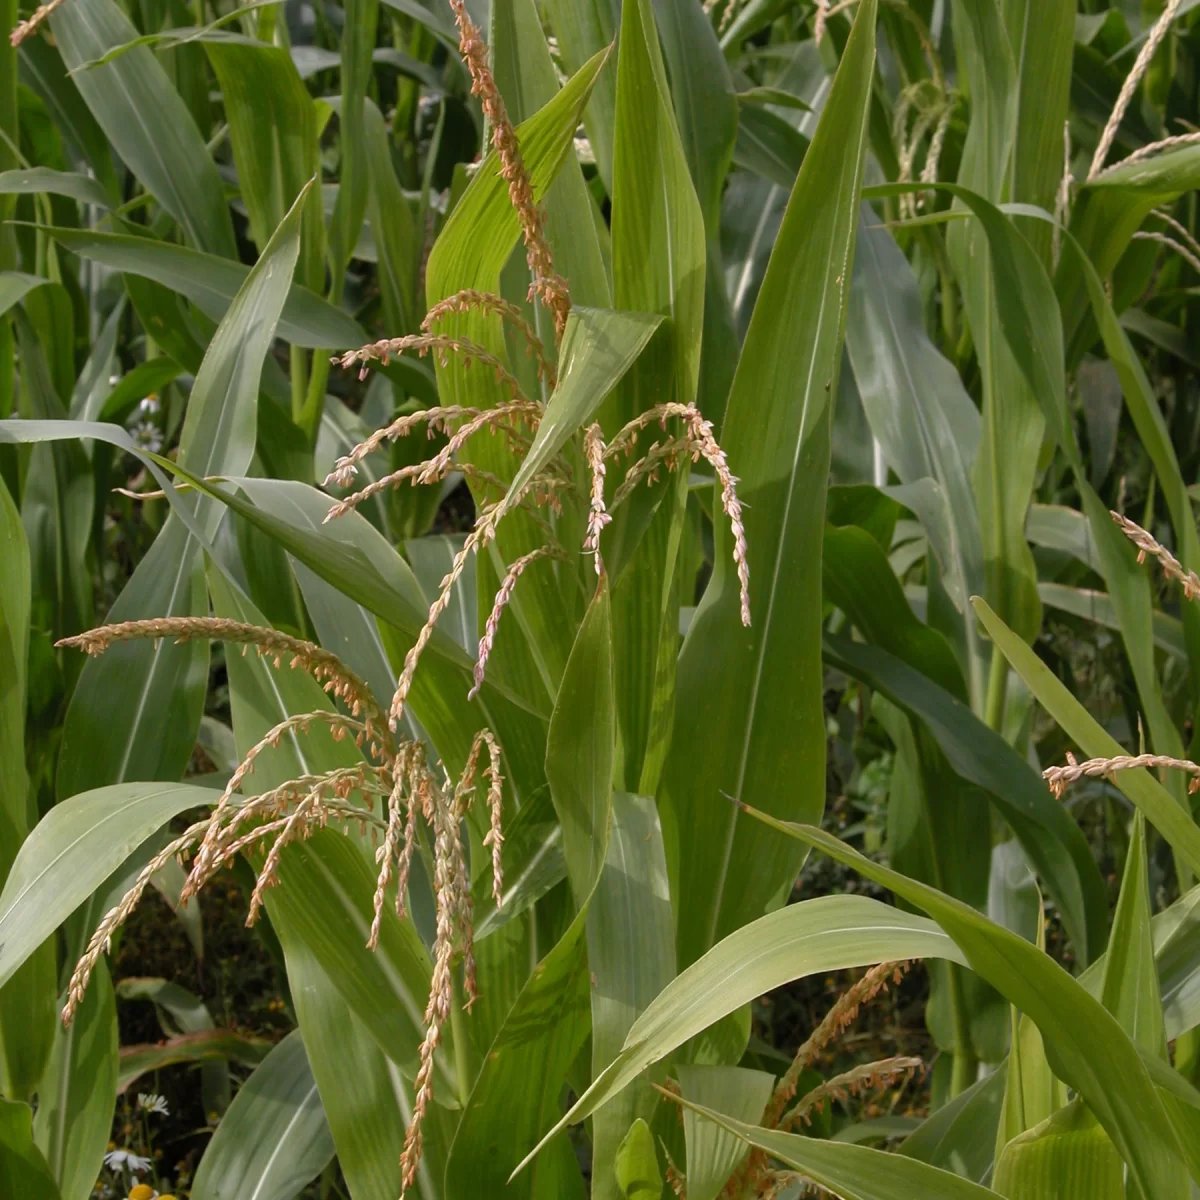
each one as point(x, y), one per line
point(786, 368)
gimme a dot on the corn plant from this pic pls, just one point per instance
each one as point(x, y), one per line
point(477, 473)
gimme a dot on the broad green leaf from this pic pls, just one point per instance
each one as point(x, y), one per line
point(580, 749)
point(768, 145)
point(366, 1099)
point(631, 959)
point(274, 1139)
point(658, 265)
point(71, 852)
point(15, 286)
point(393, 225)
point(1012, 429)
point(160, 688)
point(1052, 840)
point(23, 1169)
point(1130, 989)
point(1068, 1155)
point(27, 1003)
point(927, 426)
point(1042, 37)
point(517, 1093)
point(960, 1136)
point(713, 1153)
point(859, 579)
point(78, 1093)
point(57, 503)
point(636, 1164)
point(1109, 210)
point(1147, 794)
point(706, 110)
point(826, 934)
point(147, 122)
point(732, 734)
point(852, 1172)
point(584, 28)
point(358, 40)
point(1114, 1081)
point(86, 146)
point(273, 131)
point(208, 1048)
point(38, 180)
point(211, 283)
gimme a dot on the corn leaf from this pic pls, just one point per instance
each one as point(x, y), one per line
point(730, 735)
point(819, 935)
point(1116, 1085)
point(146, 121)
point(275, 1138)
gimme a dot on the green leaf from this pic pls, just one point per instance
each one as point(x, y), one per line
point(1067, 1155)
point(1130, 989)
point(27, 1003)
point(367, 1101)
point(584, 29)
point(274, 1139)
point(1085, 1045)
point(517, 1093)
point(769, 146)
point(732, 733)
point(209, 1048)
point(580, 749)
point(713, 1153)
point(1054, 842)
point(927, 426)
point(211, 283)
point(393, 225)
point(826, 934)
point(146, 120)
point(86, 147)
point(15, 286)
point(1147, 794)
point(72, 850)
point(960, 1136)
point(23, 1169)
point(358, 40)
point(33, 181)
point(631, 959)
point(636, 1164)
point(853, 1172)
point(273, 131)
point(161, 687)
point(78, 1093)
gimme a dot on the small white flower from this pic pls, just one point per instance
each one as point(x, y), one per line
point(122, 1160)
point(149, 1102)
point(149, 406)
point(146, 436)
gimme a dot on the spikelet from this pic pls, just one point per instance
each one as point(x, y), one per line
point(1060, 777)
point(469, 299)
point(1172, 568)
point(548, 286)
